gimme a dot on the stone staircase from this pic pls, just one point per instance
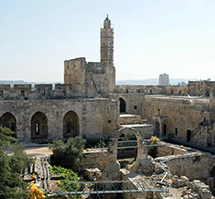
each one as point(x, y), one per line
point(135, 121)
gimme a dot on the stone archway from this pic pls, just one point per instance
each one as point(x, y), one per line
point(143, 161)
point(39, 126)
point(122, 105)
point(113, 147)
point(8, 120)
point(70, 124)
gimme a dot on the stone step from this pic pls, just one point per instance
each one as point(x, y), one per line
point(130, 119)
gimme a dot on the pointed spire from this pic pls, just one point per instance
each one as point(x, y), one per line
point(107, 23)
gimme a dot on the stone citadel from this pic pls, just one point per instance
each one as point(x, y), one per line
point(89, 104)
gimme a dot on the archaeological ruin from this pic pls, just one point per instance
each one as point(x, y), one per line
point(89, 104)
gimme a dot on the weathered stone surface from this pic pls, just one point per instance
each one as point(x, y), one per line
point(93, 174)
point(202, 189)
point(185, 180)
point(193, 165)
point(97, 117)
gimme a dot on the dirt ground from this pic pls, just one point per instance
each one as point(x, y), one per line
point(37, 150)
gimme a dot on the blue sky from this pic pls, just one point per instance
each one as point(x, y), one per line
point(151, 37)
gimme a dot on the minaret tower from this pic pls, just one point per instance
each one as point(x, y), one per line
point(107, 55)
point(107, 44)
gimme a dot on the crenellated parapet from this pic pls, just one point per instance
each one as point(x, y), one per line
point(152, 90)
point(40, 91)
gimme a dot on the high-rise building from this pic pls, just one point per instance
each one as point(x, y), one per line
point(164, 79)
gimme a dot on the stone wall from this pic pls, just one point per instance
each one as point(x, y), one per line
point(97, 117)
point(152, 90)
point(166, 150)
point(94, 159)
point(133, 101)
point(182, 115)
point(198, 88)
point(193, 165)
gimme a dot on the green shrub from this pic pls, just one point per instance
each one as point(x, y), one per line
point(67, 154)
point(68, 176)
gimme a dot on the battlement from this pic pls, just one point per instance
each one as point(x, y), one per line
point(150, 90)
point(39, 91)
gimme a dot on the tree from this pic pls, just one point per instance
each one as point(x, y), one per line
point(6, 137)
point(67, 154)
point(11, 184)
point(19, 160)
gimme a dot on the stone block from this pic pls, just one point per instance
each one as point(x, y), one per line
point(93, 174)
point(185, 180)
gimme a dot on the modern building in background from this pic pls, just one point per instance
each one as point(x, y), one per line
point(164, 79)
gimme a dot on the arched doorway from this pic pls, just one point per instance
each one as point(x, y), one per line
point(39, 126)
point(70, 124)
point(189, 135)
point(8, 120)
point(157, 128)
point(122, 105)
point(164, 130)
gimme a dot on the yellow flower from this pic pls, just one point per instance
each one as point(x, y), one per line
point(43, 197)
point(58, 182)
point(33, 176)
point(45, 162)
point(4, 152)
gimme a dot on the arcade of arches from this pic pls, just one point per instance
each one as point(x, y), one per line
point(39, 125)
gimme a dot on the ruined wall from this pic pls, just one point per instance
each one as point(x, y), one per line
point(193, 165)
point(94, 159)
point(167, 150)
point(97, 117)
point(182, 114)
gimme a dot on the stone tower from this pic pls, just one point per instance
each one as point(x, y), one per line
point(107, 50)
point(107, 43)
